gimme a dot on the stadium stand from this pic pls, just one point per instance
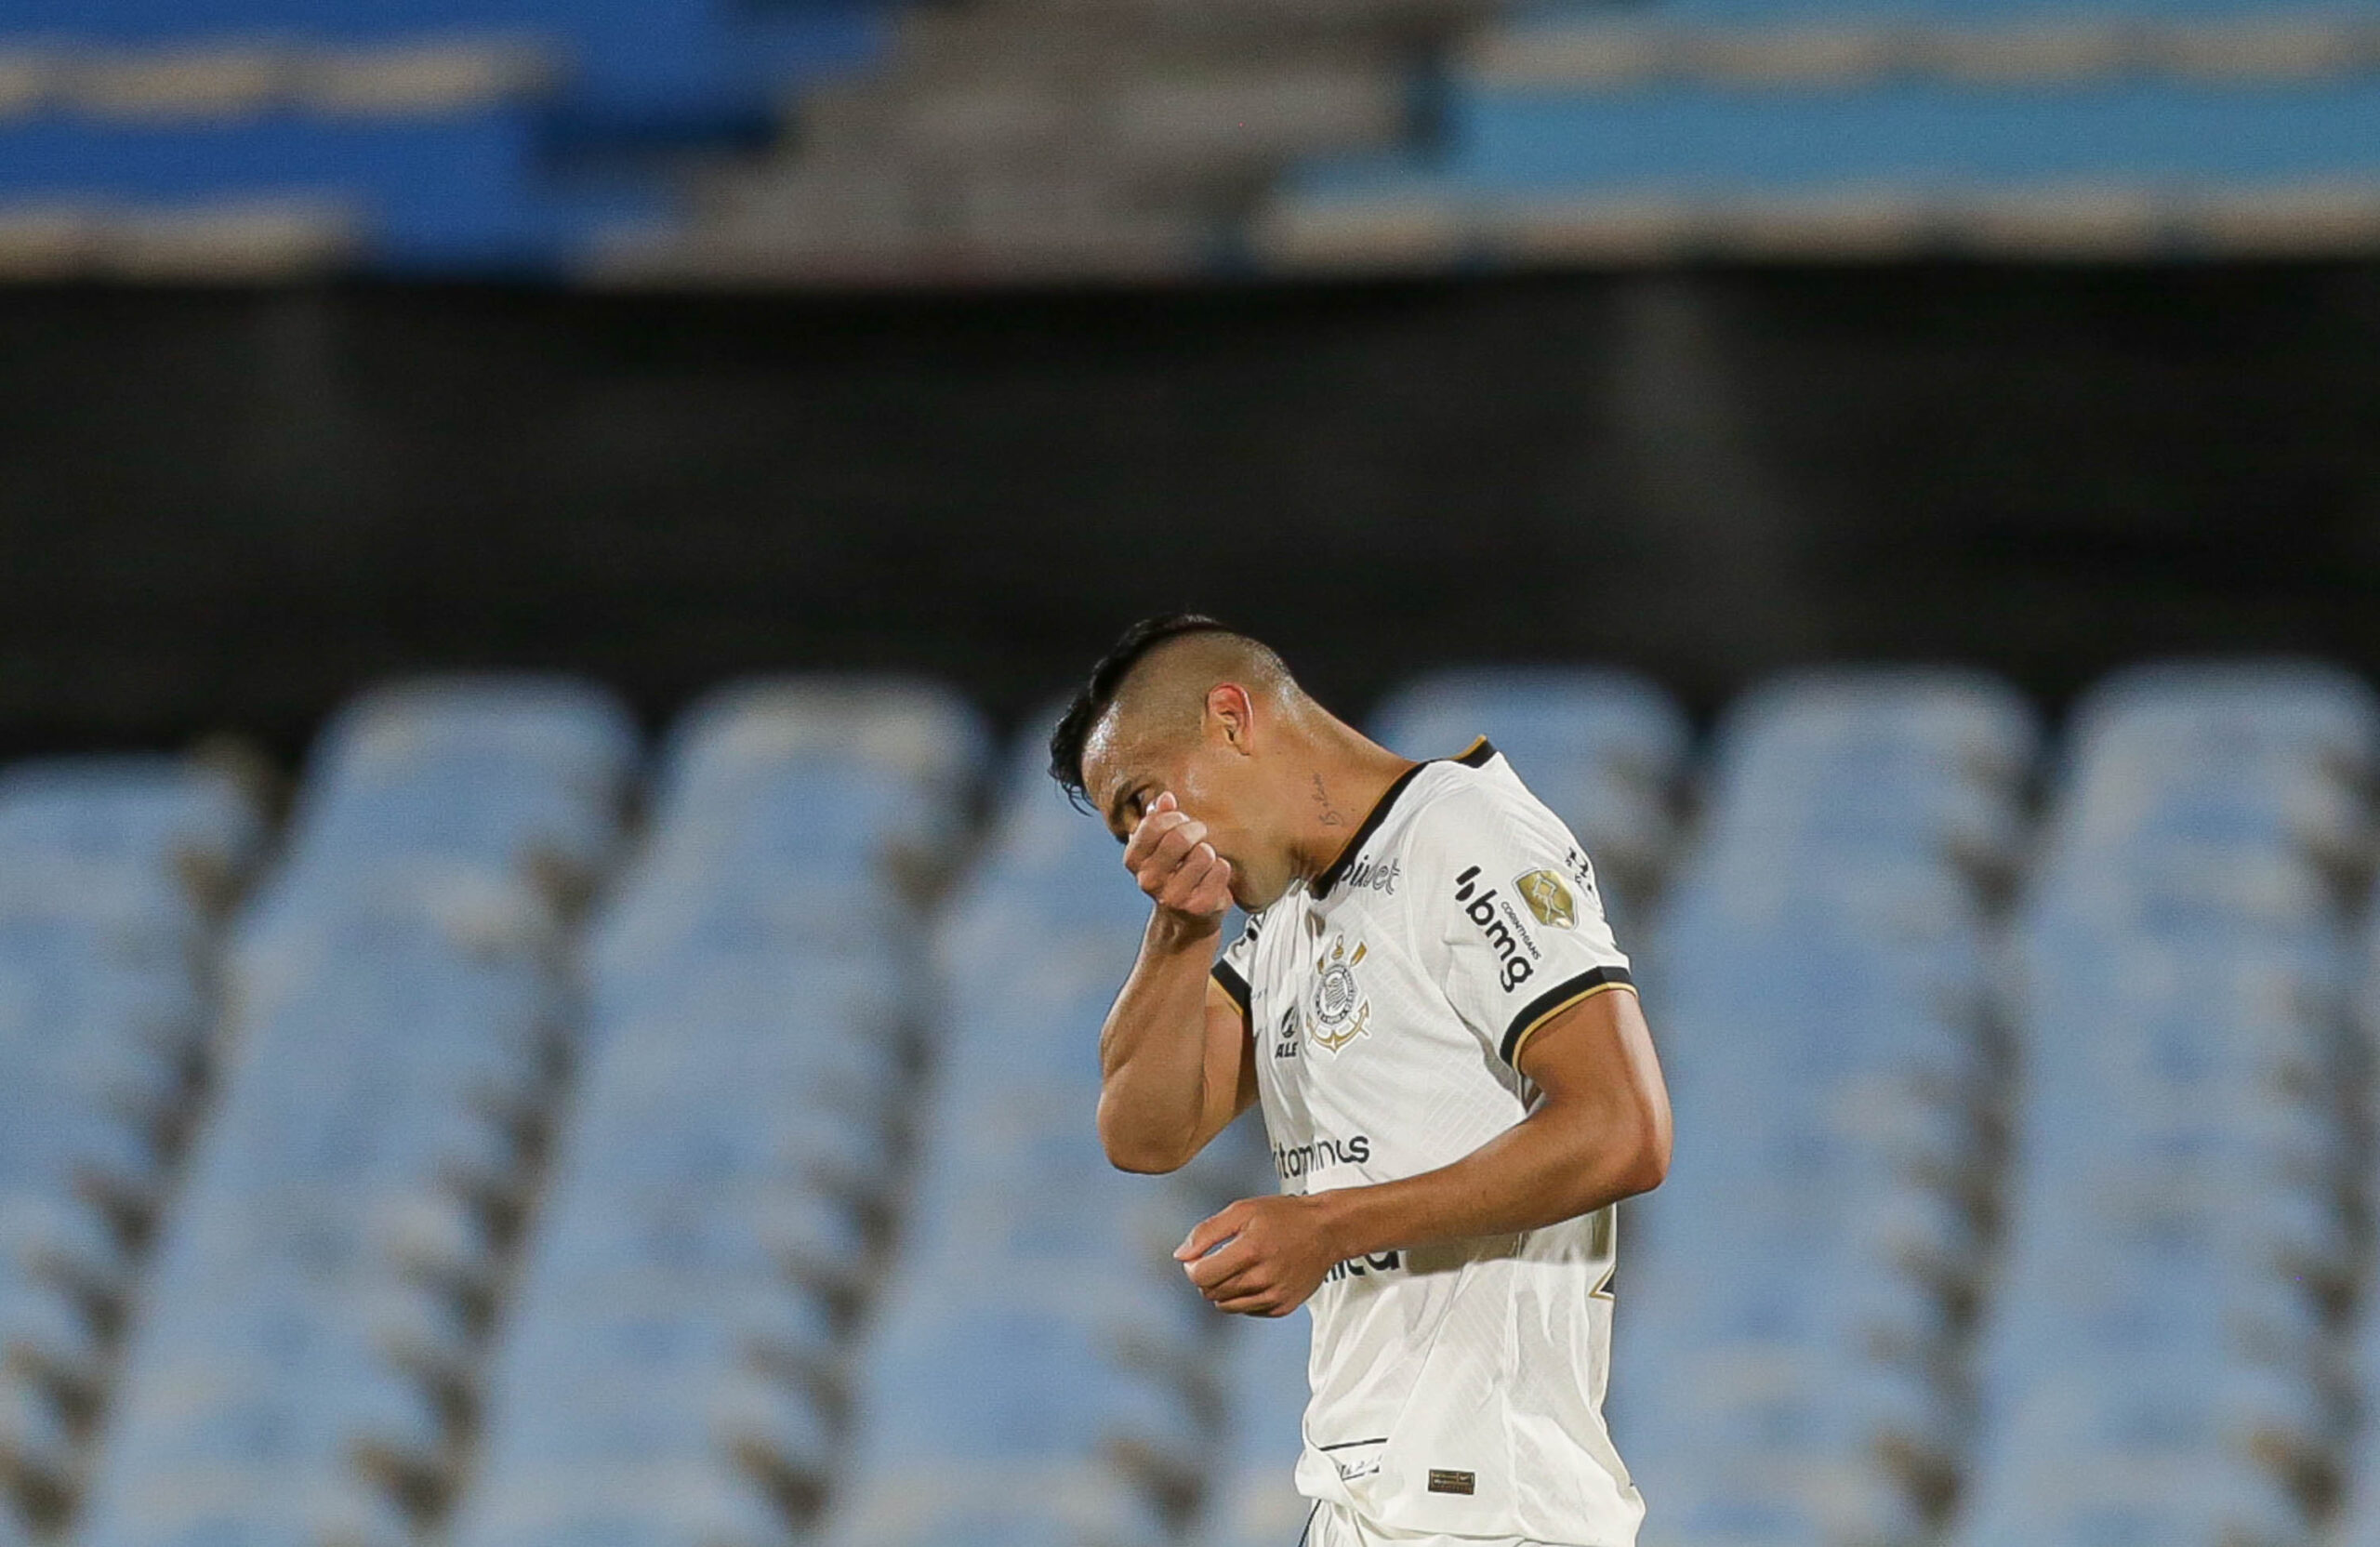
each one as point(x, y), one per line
point(671, 1368)
point(1948, 1199)
point(2164, 1362)
point(1251, 1499)
point(1788, 1332)
point(304, 1351)
point(262, 139)
point(114, 872)
point(1037, 1374)
point(1017, 139)
point(698, 141)
point(1848, 129)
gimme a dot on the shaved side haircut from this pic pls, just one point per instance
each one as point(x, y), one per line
point(1117, 671)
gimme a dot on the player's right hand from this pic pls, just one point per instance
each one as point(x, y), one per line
point(1170, 858)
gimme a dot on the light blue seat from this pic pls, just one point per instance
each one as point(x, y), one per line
point(44, 1329)
point(1959, 721)
point(1053, 1504)
point(1823, 970)
point(755, 996)
point(1740, 1501)
point(1709, 140)
point(2310, 708)
point(2094, 1498)
point(392, 1009)
point(35, 1443)
point(1582, 715)
point(323, 1425)
point(1010, 1382)
point(223, 1507)
point(666, 1502)
point(2180, 1180)
point(634, 1419)
point(1253, 1501)
point(151, 813)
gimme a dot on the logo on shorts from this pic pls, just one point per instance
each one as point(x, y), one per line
point(1340, 1012)
point(1548, 898)
point(1446, 1480)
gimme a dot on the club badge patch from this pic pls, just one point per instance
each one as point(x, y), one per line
point(1340, 1012)
point(1548, 898)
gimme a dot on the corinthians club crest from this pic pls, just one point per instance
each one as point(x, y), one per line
point(1340, 1012)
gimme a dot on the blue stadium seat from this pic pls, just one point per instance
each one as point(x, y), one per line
point(622, 56)
point(676, 1355)
point(1252, 1500)
point(987, 1409)
point(1821, 981)
point(390, 1009)
point(111, 873)
point(2181, 1002)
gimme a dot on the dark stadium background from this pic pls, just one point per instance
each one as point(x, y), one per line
point(225, 508)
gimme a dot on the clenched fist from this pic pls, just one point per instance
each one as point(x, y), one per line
point(1170, 858)
point(1261, 1256)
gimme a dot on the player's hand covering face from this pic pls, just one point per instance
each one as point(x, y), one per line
point(1209, 772)
point(1169, 856)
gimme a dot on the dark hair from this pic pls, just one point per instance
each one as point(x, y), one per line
point(1074, 726)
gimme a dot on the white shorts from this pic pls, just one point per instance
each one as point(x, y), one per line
point(1336, 1526)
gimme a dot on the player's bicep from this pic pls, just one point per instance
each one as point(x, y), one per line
point(1595, 1057)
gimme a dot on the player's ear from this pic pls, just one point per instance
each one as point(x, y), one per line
point(1230, 715)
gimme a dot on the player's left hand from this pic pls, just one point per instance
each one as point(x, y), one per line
point(1260, 1256)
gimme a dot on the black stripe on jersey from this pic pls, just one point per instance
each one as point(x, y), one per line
point(1561, 997)
point(1235, 985)
point(1475, 757)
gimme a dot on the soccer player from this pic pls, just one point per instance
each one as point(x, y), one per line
point(1456, 1079)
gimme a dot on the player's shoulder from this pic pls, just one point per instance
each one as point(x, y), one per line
point(1476, 794)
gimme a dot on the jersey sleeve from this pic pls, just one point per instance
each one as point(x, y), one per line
point(1232, 969)
point(1511, 914)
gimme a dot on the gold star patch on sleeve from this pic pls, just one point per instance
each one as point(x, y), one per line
point(1548, 898)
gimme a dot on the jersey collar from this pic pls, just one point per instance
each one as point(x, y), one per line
point(1474, 756)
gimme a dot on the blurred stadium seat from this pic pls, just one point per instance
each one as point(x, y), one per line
point(1251, 1498)
point(683, 140)
point(392, 1014)
point(1786, 1365)
point(672, 1370)
point(2183, 1179)
point(112, 874)
point(272, 138)
point(991, 1405)
point(1953, 1189)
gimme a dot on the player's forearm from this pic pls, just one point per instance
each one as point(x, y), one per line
point(1152, 1050)
point(1553, 1165)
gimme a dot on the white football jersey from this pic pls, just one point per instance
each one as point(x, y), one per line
point(1457, 1388)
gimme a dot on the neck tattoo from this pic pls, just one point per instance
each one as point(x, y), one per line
point(1330, 817)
